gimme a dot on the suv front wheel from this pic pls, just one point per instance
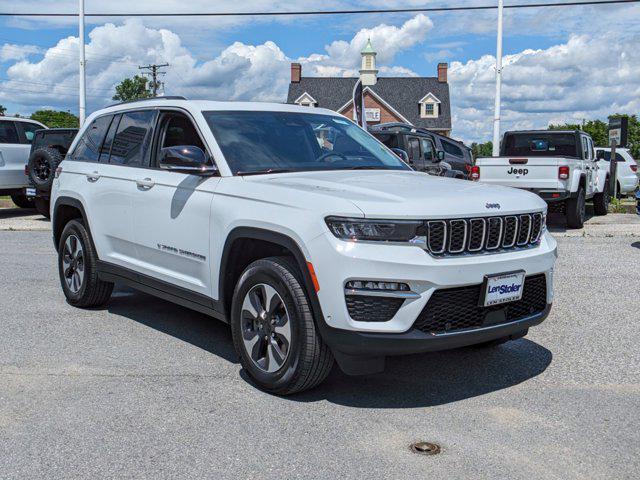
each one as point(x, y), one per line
point(78, 269)
point(273, 329)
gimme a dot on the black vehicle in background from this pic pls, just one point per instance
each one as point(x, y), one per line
point(456, 157)
point(48, 149)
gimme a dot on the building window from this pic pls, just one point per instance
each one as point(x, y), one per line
point(428, 109)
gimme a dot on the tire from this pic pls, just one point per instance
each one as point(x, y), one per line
point(42, 206)
point(274, 362)
point(78, 271)
point(42, 167)
point(601, 200)
point(501, 340)
point(22, 201)
point(576, 210)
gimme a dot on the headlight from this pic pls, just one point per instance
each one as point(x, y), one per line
point(373, 230)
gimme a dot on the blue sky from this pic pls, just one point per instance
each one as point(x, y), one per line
point(552, 55)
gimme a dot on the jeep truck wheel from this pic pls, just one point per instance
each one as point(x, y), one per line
point(22, 201)
point(42, 206)
point(77, 266)
point(576, 210)
point(601, 200)
point(274, 331)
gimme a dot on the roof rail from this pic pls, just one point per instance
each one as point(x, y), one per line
point(168, 97)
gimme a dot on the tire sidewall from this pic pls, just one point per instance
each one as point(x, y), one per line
point(75, 228)
point(262, 273)
point(53, 157)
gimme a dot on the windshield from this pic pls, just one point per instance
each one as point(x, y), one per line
point(540, 144)
point(269, 142)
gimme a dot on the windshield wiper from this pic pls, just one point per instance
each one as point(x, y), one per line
point(263, 172)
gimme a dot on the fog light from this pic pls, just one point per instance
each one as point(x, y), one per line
point(381, 286)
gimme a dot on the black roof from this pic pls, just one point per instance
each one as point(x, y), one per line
point(403, 94)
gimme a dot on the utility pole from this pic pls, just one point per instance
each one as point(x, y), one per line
point(83, 98)
point(496, 114)
point(154, 72)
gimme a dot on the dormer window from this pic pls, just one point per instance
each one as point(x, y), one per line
point(306, 100)
point(429, 106)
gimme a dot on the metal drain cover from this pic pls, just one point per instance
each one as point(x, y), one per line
point(425, 448)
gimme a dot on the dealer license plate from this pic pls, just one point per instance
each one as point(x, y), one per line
point(503, 288)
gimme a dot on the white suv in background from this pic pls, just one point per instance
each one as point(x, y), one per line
point(301, 230)
point(16, 135)
point(626, 169)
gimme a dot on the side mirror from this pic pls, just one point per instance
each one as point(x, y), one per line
point(600, 155)
point(401, 153)
point(186, 159)
point(440, 155)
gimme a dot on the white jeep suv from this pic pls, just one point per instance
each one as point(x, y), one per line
point(310, 237)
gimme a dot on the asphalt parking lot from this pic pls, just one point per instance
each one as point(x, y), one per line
point(144, 388)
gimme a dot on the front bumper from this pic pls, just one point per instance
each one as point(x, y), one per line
point(337, 262)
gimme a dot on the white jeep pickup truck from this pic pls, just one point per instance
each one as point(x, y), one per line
point(311, 238)
point(559, 166)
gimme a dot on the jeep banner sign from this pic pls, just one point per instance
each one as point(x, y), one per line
point(358, 105)
point(618, 128)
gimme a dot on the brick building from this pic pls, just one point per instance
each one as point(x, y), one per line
point(420, 101)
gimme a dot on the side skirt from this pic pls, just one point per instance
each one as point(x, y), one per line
point(158, 288)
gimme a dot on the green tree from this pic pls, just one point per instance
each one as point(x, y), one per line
point(56, 119)
point(482, 149)
point(3, 110)
point(132, 89)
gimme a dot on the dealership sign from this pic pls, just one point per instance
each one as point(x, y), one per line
point(618, 128)
point(372, 114)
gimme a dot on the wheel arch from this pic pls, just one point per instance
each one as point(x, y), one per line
point(230, 271)
point(65, 210)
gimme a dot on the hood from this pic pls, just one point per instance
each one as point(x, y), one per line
point(406, 194)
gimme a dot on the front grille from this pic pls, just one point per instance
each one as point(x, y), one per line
point(482, 235)
point(453, 309)
point(372, 309)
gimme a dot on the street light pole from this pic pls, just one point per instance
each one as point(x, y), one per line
point(83, 99)
point(496, 114)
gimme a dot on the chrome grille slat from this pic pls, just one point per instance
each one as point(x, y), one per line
point(498, 233)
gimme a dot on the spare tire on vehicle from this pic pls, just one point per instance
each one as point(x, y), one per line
point(42, 167)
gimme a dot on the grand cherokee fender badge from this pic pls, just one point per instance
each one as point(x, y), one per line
point(492, 205)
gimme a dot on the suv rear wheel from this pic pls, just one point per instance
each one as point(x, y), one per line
point(42, 166)
point(274, 331)
point(77, 266)
point(601, 200)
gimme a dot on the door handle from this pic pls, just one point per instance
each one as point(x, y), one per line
point(145, 183)
point(93, 177)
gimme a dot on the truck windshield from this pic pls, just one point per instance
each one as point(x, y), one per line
point(540, 144)
point(269, 142)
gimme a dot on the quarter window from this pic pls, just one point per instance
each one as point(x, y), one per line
point(133, 139)
point(29, 130)
point(88, 148)
point(105, 150)
point(8, 133)
point(452, 149)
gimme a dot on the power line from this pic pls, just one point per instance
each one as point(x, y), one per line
point(324, 12)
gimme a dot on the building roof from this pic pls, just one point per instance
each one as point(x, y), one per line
point(402, 93)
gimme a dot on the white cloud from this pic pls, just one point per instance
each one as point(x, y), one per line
point(238, 72)
point(10, 51)
point(586, 77)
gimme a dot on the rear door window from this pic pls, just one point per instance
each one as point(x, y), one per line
point(132, 141)
point(8, 132)
point(105, 150)
point(88, 147)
